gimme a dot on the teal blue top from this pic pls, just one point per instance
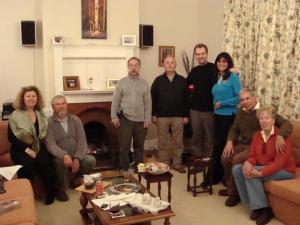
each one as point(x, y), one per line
point(227, 93)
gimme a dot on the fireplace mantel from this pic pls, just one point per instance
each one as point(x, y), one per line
point(86, 96)
point(86, 61)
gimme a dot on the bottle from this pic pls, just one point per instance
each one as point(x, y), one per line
point(99, 187)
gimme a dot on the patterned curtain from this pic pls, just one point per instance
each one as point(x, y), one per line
point(263, 37)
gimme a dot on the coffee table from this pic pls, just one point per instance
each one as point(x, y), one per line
point(132, 216)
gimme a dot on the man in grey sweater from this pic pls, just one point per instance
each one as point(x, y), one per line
point(66, 141)
point(131, 113)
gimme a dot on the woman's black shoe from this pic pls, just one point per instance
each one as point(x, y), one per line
point(49, 199)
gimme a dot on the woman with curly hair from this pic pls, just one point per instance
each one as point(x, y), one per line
point(26, 132)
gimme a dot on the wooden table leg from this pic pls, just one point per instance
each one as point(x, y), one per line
point(159, 189)
point(83, 202)
point(167, 221)
point(148, 185)
point(195, 184)
point(169, 190)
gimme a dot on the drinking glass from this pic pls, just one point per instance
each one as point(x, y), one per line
point(114, 207)
point(126, 175)
point(157, 202)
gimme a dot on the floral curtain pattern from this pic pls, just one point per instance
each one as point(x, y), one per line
point(263, 36)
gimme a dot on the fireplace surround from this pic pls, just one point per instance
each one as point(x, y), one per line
point(101, 135)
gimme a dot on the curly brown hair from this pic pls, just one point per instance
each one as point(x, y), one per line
point(19, 102)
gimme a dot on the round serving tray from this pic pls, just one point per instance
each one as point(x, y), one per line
point(124, 188)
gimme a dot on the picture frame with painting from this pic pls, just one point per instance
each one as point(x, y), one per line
point(163, 51)
point(111, 83)
point(71, 83)
point(129, 40)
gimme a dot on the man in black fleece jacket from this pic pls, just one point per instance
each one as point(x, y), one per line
point(170, 112)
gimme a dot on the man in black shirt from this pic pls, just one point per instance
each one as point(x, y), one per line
point(200, 82)
point(170, 112)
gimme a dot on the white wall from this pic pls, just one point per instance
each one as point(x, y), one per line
point(17, 64)
point(176, 22)
point(181, 24)
point(63, 17)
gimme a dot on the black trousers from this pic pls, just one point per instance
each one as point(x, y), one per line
point(128, 131)
point(42, 166)
point(222, 126)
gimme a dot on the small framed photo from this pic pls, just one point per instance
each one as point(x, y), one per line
point(57, 40)
point(129, 40)
point(71, 83)
point(163, 52)
point(112, 83)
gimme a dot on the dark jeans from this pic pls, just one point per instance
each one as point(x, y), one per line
point(131, 130)
point(223, 124)
point(42, 166)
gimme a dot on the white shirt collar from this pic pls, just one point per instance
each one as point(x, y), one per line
point(257, 106)
point(264, 136)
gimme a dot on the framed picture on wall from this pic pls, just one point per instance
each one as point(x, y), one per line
point(71, 83)
point(94, 19)
point(57, 40)
point(129, 40)
point(111, 83)
point(163, 51)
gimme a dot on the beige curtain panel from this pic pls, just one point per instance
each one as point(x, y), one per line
point(264, 39)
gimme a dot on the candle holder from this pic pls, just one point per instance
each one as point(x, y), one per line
point(90, 83)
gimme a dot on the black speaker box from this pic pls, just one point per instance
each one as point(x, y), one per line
point(28, 32)
point(146, 35)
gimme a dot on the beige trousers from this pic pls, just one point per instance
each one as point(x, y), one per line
point(170, 139)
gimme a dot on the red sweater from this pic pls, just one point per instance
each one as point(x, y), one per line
point(265, 154)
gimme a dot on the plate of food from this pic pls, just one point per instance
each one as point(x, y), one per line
point(124, 188)
point(157, 168)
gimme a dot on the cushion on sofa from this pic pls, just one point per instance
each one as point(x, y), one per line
point(14, 190)
point(5, 159)
point(20, 190)
point(286, 189)
point(296, 141)
point(285, 211)
point(25, 214)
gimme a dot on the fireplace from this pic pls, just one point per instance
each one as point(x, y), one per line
point(101, 136)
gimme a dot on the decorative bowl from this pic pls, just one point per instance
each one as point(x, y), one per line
point(157, 168)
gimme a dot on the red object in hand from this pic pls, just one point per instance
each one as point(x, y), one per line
point(191, 88)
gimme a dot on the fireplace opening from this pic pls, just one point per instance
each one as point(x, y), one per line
point(98, 144)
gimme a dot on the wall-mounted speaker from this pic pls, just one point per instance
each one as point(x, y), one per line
point(28, 32)
point(146, 35)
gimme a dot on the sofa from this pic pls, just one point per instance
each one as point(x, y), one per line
point(5, 159)
point(284, 196)
point(20, 190)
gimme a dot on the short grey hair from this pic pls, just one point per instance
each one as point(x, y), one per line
point(268, 109)
point(58, 97)
point(168, 56)
point(248, 90)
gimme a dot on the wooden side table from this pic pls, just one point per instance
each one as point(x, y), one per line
point(158, 179)
point(195, 166)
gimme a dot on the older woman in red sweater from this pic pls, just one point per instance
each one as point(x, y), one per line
point(263, 164)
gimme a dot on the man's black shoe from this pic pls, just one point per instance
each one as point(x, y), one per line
point(62, 196)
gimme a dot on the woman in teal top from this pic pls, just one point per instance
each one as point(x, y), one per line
point(225, 98)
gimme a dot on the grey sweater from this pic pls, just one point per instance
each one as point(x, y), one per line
point(59, 142)
point(132, 97)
